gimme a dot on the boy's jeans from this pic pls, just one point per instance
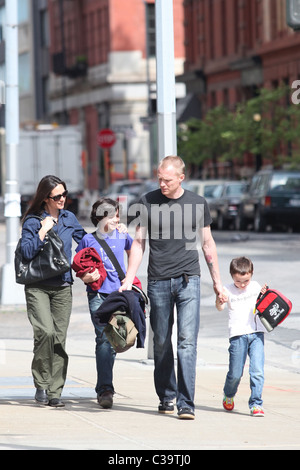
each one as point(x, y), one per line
point(240, 346)
point(105, 353)
point(186, 295)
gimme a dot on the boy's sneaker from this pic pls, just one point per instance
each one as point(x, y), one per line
point(257, 411)
point(166, 407)
point(186, 413)
point(228, 403)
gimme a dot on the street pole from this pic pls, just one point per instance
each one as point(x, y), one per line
point(11, 293)
point(165, 92)
point(165, 71)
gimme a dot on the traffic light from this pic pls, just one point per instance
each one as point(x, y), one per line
point(293, 14)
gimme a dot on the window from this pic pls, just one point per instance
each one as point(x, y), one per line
point(2, 24)
point(44, 97)
point(2, 85)
point(23, 11)
point(44, 28)
point(24, 74)
point(150, 15)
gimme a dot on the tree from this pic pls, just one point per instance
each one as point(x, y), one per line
point(267, 126)
point(202, 140)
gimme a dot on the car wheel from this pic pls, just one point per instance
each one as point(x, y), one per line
point(259, 222)
point(240, 223)
point(221, 222)
point(296, 228)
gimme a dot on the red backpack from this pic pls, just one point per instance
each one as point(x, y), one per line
point(272, 308)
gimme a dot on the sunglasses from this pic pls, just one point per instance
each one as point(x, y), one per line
point(58, 196)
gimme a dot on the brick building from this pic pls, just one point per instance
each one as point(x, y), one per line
point(235, 46)
point(103, 75)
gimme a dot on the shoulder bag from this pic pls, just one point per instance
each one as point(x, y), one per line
point(49, 262)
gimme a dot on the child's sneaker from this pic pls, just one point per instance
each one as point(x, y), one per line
point(228, 403)
point(257, 411)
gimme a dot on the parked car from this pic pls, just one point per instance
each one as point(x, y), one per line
point(124, 191)
point(273, 200)
point(225, 202)
point(146, 187)
point(205, 188)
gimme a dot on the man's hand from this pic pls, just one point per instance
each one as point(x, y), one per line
point(125, 285)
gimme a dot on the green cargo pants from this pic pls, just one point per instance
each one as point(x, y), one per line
point(49, 310)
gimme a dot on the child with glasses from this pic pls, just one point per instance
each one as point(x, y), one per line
point(246, 335)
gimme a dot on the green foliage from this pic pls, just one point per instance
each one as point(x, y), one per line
point(268, 124)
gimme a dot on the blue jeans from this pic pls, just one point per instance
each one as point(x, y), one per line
point(105, 353)
point(240, 347)
point(163, 296)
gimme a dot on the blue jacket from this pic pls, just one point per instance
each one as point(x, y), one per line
point(67, 228)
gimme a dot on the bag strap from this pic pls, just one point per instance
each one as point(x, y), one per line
point(116, 264)
point(111, 255)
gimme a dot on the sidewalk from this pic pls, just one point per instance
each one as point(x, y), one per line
point(133, 423)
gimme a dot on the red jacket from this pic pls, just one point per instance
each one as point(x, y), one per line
point(87, 260)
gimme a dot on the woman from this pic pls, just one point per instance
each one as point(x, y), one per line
point(105, 216)
point(49, 302)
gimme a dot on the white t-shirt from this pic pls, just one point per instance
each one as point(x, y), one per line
point(241, 305)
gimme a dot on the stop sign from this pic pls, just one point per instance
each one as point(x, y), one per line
point(106, 138)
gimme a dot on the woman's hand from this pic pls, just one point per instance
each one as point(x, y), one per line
point(47, 224)
point(122, 228)
point(89, 277)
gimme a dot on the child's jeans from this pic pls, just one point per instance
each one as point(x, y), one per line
point(240, 347)
point(105, 354)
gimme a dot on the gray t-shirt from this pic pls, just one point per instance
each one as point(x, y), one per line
point(173, 226)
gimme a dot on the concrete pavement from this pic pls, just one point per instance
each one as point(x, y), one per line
point(133, 424)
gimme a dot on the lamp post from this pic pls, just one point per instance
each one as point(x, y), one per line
point(165, 70)
point(11, 293)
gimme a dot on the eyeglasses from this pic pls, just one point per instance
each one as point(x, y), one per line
point(58, 196)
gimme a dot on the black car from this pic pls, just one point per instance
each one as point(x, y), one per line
point(224, 205)
point(273, 200)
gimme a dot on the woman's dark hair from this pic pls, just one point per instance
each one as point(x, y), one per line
point(44, 189)
point(102, 208)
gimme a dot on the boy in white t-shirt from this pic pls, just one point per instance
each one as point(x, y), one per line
point(246, 335)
